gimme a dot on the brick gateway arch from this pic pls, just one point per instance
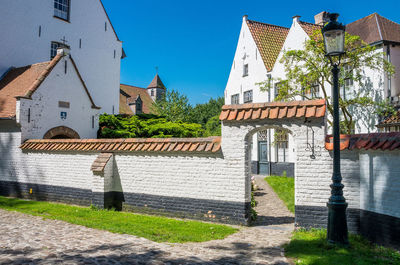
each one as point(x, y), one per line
point(61, 132)
point(304, 120)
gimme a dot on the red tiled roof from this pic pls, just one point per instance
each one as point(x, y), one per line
point(210, 144)
point(269, 40)
point(382, 141)
point(393, 120)
point(127, 92)
point(374, 28)
point(22, 82)
point(100, 163)
point(309, 28)
point(274, 110)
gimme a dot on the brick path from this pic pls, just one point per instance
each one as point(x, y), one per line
point(28, 239)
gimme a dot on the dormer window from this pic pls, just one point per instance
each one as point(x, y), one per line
point(61, 9)
point(245, 70)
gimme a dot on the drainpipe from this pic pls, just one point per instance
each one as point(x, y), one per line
point(389, 78)
point(269, 130)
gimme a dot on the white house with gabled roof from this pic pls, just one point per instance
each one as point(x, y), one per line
point(257, 59)
point(32, 31)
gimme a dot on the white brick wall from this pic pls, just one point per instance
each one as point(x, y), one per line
point(380, 182)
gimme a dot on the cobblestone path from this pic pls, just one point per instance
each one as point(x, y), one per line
point(28, 239)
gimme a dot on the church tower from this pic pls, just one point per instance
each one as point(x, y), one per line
point(156, 89)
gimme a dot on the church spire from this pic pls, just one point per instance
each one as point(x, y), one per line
point(156, 83)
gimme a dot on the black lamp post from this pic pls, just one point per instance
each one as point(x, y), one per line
point(333, 34)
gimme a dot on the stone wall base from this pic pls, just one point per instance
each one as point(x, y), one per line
point(210, 210)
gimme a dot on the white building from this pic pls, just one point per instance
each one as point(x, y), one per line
point(33, 30)
point(260, 47)
point(46, 100)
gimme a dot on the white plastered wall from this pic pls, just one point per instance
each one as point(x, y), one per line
point(21, 22)
point(45, 112)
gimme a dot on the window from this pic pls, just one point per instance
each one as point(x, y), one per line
point(152, 93)
point(347, 81)
point(282, 145)
point(277, 87)
point(245, 70)
point(61, 9)
point(139, 106)
point(235, 99)
point(248, 96)
point(54, 47)
point(311, 91)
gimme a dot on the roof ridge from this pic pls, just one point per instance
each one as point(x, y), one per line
point(249, 20)
point(362, 18)
point(382, 17)
point(305, 22)
point(132, 86)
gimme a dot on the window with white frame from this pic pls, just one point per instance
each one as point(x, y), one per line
point(54, 47)
point(248, 96)
point(277, 88)
point(282, 145)
point(245, 70)
point(235, 99)
point(311, 92)
point(61, 9)
point(347, 81)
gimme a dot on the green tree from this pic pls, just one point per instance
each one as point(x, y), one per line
point(145, 126)
point(213, 127)
point(173, 106)
point(306, 68)
point(202, 113)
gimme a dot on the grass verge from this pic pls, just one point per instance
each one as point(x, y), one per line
point(310, 247)
point(159, 229)
point(284, 187)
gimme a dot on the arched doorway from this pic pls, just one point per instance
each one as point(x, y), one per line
point(61, 132)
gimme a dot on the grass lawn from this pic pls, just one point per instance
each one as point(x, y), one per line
point(310, 247)
point(284, 187)
point(159, 229)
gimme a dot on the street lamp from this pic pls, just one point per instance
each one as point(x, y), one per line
point(333, 33)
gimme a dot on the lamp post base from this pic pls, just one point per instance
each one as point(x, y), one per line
point(337, 223)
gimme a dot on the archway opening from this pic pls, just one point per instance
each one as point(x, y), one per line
point(270, 151)
point(61, 132)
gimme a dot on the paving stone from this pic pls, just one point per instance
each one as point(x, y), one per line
point(29, 239)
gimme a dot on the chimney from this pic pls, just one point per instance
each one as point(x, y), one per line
point(321, 18)
point(296, 18)
point(63, 51)
point(245, 18)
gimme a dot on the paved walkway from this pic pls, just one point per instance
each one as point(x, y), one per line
point(28, 239)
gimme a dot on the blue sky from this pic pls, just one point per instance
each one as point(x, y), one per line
point(193, 42)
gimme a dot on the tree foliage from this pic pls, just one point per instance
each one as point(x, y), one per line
point(307, 67)
point(202, 113)
point(174, 106)
point(145, 126)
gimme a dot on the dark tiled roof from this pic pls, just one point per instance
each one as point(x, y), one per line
point(375, 141)
point(374, 28)
point(393, 120)
point(269, 40)
point(210, 144)
point(156, 83)
point(309, 28)
point(274, 110)
point(132, 92)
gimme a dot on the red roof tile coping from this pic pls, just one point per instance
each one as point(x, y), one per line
point(375, 141)
point(274, 110)
point(213, 144)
